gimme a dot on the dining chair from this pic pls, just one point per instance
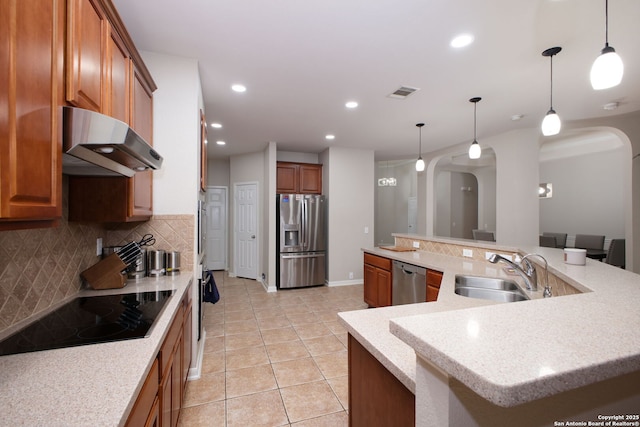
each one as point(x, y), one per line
point(547, 241)
point(589, 241)
point(561, 239)
point(616, 253)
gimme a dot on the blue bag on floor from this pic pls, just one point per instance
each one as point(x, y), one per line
point(210, 292)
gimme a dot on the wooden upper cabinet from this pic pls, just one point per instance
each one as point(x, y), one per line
point(141, 185)
point(105, 73)
point(305, 178)
point(118, 72)
point(286, 178)
point(311, 179)
point(31, 92)
point(87, 39)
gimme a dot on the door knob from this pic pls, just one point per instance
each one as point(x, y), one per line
point(253, 236)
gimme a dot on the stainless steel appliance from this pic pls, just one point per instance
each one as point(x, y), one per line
point(301, 240)
point(90, 320)
point(409, 284)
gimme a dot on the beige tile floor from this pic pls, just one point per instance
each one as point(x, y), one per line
point(272, 359)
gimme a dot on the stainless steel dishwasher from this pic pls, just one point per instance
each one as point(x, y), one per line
point(409, 284)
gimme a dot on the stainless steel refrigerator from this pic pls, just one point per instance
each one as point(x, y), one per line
point(301, 240)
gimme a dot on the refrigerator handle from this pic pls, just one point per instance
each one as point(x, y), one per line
point(303, 223)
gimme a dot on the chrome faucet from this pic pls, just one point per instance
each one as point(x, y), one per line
point(527, 270)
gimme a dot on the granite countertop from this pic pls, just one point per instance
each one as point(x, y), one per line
point(91, 385)
point(510, 353)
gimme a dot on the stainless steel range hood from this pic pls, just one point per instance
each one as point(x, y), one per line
point(95, 144)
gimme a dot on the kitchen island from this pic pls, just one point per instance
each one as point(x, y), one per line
point(90, 385)
point(469, 360)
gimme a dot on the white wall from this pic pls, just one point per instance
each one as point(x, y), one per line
point(588, 195)
point(248, 168)
point(176, 127)
point(268, 262)
point(391, 203)
point(348, 175)
point(292, 156)
point(218, 172)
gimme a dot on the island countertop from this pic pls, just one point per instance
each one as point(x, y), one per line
point(90, 385)
point(510, 353)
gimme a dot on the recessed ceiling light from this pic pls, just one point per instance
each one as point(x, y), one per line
point(330, 136)
point(239, 88)
point(221, 143)
point(517, 117)
point(351, 104)
point(461, 41)
point(610, 106)
point(216, 125)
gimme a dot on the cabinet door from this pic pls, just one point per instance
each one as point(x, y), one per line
point(118, 69)
point(310, 179)
point(31, 92)
point(370, 285)
point(384, 287)
point(286, 178)
point(434, 278)
point(87, 32)
point(165, 395)
point(146, 406)
point(141, 185)
point(188, 340)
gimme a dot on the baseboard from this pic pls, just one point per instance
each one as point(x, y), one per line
point(345, 282)
point(267, 287)
point(195, 372)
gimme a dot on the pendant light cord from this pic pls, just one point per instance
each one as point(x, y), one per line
point(551, 79)
point(420, 143)
point(606, 23)
point(475, 109)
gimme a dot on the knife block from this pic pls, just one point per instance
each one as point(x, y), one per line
point(106, 274)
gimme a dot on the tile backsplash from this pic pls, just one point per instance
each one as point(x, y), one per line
point(41, 267)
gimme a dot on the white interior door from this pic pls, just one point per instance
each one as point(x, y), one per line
point(216, 236)
point(246, 230)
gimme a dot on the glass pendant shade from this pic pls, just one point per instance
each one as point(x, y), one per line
point(551, 124)
point(607, 69)
point(420, 162)
point(475, 151)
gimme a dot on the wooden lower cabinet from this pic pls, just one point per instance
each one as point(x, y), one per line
point(377, 281)
point(376, 396)
point(160, 400)
point(145, 410)
point(434, 278)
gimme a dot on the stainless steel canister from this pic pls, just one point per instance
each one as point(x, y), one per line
point(155, 263)
point(139, 269)
point(172, 263)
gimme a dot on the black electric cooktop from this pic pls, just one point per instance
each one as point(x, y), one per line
point(90, 320)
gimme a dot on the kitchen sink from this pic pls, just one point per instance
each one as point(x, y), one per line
point(489, 288)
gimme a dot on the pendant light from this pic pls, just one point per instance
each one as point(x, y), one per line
point(551, 123)
point(420, 162)
point(475, 151)
point(608, 68)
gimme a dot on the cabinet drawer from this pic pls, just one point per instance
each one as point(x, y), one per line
point(378, 261)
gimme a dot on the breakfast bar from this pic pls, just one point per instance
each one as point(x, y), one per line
point(471, 361)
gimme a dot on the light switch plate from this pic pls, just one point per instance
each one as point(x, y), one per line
point(467, 253)
point(416, 244)
point(99, 246)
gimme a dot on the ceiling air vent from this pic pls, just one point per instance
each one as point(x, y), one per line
point(403, 92)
